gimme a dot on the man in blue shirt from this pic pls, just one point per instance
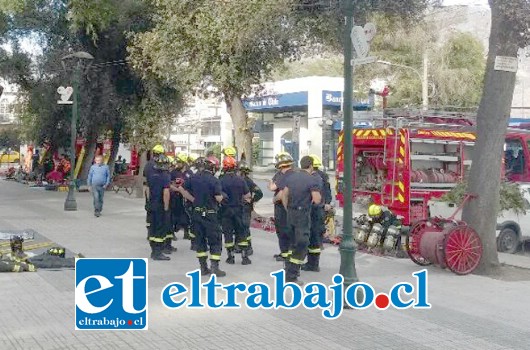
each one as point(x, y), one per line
point(98, 180)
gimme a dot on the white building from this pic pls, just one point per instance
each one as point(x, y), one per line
point(202, 124)
point(8, 103)
point(300, 116)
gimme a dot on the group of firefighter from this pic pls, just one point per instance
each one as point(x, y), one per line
point(184, 193)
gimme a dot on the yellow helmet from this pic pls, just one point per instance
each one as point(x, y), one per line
point(182, 157)
point(317, 163)
point(171, 159)
point(229, 151)
point(158, 149)
point(374, 210)
point(192, 158)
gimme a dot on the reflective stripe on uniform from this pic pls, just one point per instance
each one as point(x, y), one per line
point(243, 244)
point(284, 255)
point(156, 239)
point(314, 251)
point(202, 254)
point(215, 257)
point(229, 245)
point(296, 261)
point(192, 235)
point(169, 235)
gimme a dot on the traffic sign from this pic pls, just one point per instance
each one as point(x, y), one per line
point(359, 41)
point(365, 60)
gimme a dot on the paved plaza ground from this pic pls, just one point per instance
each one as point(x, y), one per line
point(37, 309)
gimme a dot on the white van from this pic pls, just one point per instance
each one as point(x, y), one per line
point(512, 229)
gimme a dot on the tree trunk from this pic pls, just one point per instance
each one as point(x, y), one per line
point(90, 150)
point(492, 122)
point(115, 147)
point(139, 188)
point(243, 131)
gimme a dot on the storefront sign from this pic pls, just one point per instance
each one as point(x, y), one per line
point(279, 101)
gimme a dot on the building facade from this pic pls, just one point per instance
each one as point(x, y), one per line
point(8, 103)
point(201, 125)
point(301, 116)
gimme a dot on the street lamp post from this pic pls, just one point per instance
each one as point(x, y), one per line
point(423, 78)
point(348, 247)
point(70, 203)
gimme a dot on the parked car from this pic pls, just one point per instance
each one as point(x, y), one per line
point(512, 229)
point(7, 156)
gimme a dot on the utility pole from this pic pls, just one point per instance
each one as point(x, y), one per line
point(348, 247)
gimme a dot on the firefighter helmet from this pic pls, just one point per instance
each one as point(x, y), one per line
point(283, 159)
point(229, 151)
point(158, 149)
point(182, 158)
point(317, 163)
point(192, 158)
point(244, 168)
point(229, 163)
point(171, 159)
point(161, 162)
point(57, 251)
point(374, 211)
point(212, 164)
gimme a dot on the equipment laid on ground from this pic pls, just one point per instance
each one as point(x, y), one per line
point(445, 242)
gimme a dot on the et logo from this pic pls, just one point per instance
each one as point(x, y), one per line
point(111, 294)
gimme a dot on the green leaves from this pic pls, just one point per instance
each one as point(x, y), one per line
point(511, 197)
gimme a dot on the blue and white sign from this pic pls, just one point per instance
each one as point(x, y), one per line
point(111, 294)
point(334, 98)
point(294, 99)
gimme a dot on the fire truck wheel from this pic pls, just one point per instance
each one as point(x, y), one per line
point(508, 241)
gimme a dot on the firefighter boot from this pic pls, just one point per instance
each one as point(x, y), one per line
point(187, 233)
point(292, 271)
point(168, 248)
point(312, 263)
point(204, 266)
point(244, 255)
point(250, 250)
point(216, 270)
point(156, 251)
point(230, 260)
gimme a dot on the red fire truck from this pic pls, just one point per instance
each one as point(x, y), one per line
point(403, 160)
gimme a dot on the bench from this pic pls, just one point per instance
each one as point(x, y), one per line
point(124, 182)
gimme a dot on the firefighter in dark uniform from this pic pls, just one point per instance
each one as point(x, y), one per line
point(386, 218)
point(301, 191)
point(284, 163)
point(158, 181)
point(256, 194)
point(179, 216)
point(204, 191)
point(318, 213)
point(148, 169)
point(237, 193)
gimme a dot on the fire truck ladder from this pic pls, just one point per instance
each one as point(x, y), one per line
point(396, 169)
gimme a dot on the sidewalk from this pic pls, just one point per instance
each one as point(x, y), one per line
point(468, 312)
